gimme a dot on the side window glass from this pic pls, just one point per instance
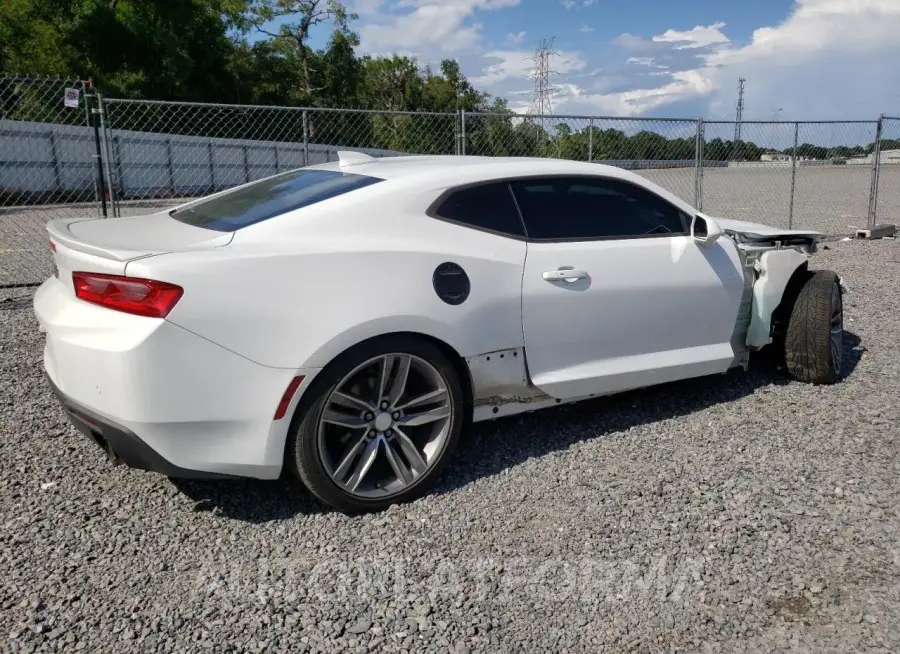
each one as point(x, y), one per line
point(489, 206)
point(582, 208)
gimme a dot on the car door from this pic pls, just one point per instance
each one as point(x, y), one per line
point(616, 294)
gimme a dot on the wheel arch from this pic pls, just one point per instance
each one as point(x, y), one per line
point(782, 311)
point(782, 273)
point(453, 356)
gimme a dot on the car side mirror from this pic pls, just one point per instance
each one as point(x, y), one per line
point(705, 230)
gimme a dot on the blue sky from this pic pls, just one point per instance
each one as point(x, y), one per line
point(803, 59)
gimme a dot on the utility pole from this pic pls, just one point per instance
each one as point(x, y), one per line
point(738, 118)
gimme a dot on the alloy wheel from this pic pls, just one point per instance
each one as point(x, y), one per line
point(385, 425)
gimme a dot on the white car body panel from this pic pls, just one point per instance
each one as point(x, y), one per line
point(68, 260)
point(651, 310)
point(194, 402)
point(282, 298)
point(775, 269)
point(316, 301)
point(760, 230)
point(125, 239)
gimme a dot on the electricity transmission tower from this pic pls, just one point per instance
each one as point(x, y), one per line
point(541, 103)
point(739, 117)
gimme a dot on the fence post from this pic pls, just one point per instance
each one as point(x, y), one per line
point(88, 122)
point(212, 166)
point(169, 167)
point(57, 177)
point(107, 164)
point(698, 166)
point(98, 156)
point(793, 175)
point(305, 139)
point(117, 163)
point(462, 117)
point(246, 166)
point(876, 172)
point(591, 140)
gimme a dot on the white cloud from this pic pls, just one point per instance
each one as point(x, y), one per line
point(586, 29)
point(365, 7)
point(437, 26)
point(829, 59)
point(696, 37)
point(518, 64)
point(587, 3)
point(516, 38)
point(507, 64)
point(826, 59)
point(683, 85)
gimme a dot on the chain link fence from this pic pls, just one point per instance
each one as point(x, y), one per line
point(833, 179)
point(887, 173)
point(663, 150)
point(48, 168)
point(65, 151)
point(737, 182)
point(161, 152)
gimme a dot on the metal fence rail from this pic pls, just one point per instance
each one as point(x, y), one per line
point(46, 170)
point(94, 156)
point(178, 150)
point(886, 175)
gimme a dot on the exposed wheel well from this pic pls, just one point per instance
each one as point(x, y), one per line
point(783, 311)
point(459, 364)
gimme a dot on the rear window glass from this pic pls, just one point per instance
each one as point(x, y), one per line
point(269, 197)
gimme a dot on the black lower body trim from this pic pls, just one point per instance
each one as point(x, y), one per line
point(122, 445)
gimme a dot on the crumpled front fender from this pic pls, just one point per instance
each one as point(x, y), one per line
point(775, 269)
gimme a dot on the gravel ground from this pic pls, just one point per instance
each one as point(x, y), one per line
point(744, 514)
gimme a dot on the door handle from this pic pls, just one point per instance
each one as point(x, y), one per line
point(564, 275)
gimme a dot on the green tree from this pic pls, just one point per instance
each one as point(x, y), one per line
point(200, 50)
point(131, 48)
point(301, 17)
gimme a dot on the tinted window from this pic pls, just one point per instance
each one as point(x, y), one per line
point(582, 208)
point(489, 206)
point(269, 197)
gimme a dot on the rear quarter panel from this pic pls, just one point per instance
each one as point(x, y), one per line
point(299, 291)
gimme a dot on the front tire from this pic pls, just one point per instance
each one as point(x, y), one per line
point(814, 338)
point(384, 419)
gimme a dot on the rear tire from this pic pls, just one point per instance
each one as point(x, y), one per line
point(813, 339)
point(361, 449)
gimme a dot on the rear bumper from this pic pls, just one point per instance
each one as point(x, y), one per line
point(121, 445)
point(160, 397)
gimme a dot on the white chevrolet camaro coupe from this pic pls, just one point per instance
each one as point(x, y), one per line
point(346, 321)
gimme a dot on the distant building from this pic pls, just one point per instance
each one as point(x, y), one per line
point(887, 157)
point(771, 155)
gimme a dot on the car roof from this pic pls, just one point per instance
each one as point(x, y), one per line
point(481, 167)
point(438, 172)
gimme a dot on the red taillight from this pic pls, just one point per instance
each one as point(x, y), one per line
point(142, 297)
point(52, 246)
point(287, 397)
